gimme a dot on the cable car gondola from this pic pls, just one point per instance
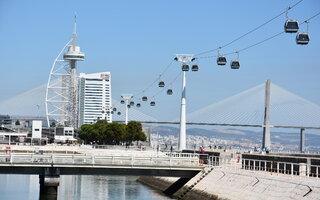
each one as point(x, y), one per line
point(302, 38)
point(111, 112)
point(131, 103)
point(122, 101)
point(169, 92)
point(221, 60)
point(128, 106)
point(195, 68)
point(185, 68)
point(161, 84)
point(235, 64)
point(119, 113)
point(291, 26)
point(114, 109)
point(152, 103)
point(144, 98)
point(138, 105)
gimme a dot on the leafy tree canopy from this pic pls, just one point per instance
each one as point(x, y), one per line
point(103, 132)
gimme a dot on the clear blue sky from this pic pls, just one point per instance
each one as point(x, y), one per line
point(135, 40)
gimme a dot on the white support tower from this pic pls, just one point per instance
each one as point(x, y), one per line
point(62, 87)
point(184, 58)
point(126, 98)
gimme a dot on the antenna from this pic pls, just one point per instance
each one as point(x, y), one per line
point(74, 34)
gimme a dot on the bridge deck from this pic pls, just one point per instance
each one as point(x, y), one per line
point(186, 165)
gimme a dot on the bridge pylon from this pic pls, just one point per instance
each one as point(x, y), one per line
point(266, 124)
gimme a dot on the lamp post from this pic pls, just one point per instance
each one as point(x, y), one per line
point(126, 98)
point(184, 59)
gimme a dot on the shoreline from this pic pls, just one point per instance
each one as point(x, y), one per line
point(162, 183)
point(223, 183)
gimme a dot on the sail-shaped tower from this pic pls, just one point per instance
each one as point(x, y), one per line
point(62, 87)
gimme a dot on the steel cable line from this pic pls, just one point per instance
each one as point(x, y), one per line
point(219, 48)
point(150, 85)
point(305, 21)
point(233, 41)
point(260, 42)
point(253, 45)
point(156, 94)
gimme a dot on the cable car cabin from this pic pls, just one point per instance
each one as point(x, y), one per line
point(291, 26)
point(152, 103)
point(138, 105)
point(195, 68)
point(185, 68)
point(131, 103)
point(128, 106)
point(119, 113)
point(111, 112)
point(144, 98)
point(302, 38)
point(221, 60)
point(122, 101)
point(235, 64)
point(169, 92)
point(114, 109)
point(161, 84)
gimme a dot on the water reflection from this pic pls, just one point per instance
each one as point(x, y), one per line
point(14, 187)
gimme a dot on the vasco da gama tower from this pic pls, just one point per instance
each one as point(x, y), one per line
point(62, 89)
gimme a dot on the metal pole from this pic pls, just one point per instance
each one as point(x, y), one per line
point(182, 136)
point(302, 139)
point(266, 124)
point(126, 104)
point(126, 98)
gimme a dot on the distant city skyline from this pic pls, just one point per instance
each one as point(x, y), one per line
point(135, 41)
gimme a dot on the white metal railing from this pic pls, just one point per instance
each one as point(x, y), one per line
point(301, 169)
point(218, 160)
point(175, 160)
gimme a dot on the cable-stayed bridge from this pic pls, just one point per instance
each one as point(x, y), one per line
point(287, 110)
point(247, 108)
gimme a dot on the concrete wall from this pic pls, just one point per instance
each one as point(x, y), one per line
point(237, 184)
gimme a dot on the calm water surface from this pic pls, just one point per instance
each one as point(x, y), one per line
point(26, 187)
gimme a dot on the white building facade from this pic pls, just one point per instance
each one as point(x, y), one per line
point(94, 97)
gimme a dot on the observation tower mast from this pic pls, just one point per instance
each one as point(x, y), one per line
point(62, 88)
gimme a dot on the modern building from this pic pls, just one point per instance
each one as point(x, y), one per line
point(36, 129)
point(5, 119)
point(64, 134)
point(94, 97)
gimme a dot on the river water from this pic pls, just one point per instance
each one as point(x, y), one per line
point(26, 187)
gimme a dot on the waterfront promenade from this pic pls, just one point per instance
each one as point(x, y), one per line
point(231, 182)
point(228, 180)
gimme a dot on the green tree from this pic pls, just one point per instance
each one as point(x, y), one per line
point(53, 124)
point(134, 132)
point(120, 131)
point(85, 133)
point(17, 123)
point(103, 132)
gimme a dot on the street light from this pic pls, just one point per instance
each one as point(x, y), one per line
point(184, 59)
